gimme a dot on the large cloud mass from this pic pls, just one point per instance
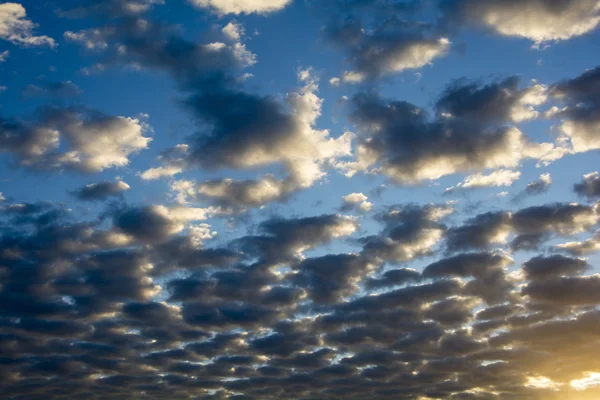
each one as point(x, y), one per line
point(537, 20)
point(228, 266)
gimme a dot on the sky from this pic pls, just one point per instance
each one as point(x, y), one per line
point(300, 199)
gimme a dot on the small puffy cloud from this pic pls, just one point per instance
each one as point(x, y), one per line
point(356, 201)
point(101, 191)
point(410, 232)
point(390, 47)
point(244, 193)
point(400, 140)
point(160, 172)
point(93, 141)
point(540, 185)
point(242, 6)
point(534, 188)
point(281, 238)
point(156, 223)
point(589, 187)
point(541, 268)
point(496, 102)
point(537, 20)
point(499, 178)
point(173, 159)
point(17, 29)
point(334, 81)
point(4, 55)
point(581, 248)
point(233, 31)
point(353, 77)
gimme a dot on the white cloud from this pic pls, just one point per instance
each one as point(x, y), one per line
point(4, 55)
point(104, 143)
point(233, 31)
point(353, 77)
point(417, 55)
point(499, 178)
point(537, 20)
point(17, 29)
point(242, 6)
point(582, 135)
point(160, 172)
point(357, 200)
point(524, 109)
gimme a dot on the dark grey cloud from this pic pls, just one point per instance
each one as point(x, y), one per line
point(394, 277)
point(332, 277)
point(496, 102)
point(589, 187)
point(531, 226)
point(488, 269)
point(540, 268)
point(101, 190)
point(409, 232)
point(282, 238)
point(401, 141)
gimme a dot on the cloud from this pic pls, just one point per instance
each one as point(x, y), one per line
point(248, 193)
point(580, 248)
point(589, 187)
point(261, 131)
point(399, 139)
point(101, 191)
point(535, 188)
point(532, 226)
point(579, 117)
point(388, 47)
point(542, 268)
point(258, 131)
point(156, 223)
point(241, 6)
point(93, 141)
point(410, 232)
point(536, 20)
point(539, 186)
point(4, 55)
point(356, 201)
point(496, 102)
point(502, 177)
point(284, 238)
point(233, 31)
point(186, 298)
point(17, 29)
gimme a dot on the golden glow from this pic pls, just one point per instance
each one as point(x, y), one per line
point(591, 380)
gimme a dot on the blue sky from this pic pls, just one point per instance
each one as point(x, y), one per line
point(281, 164)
